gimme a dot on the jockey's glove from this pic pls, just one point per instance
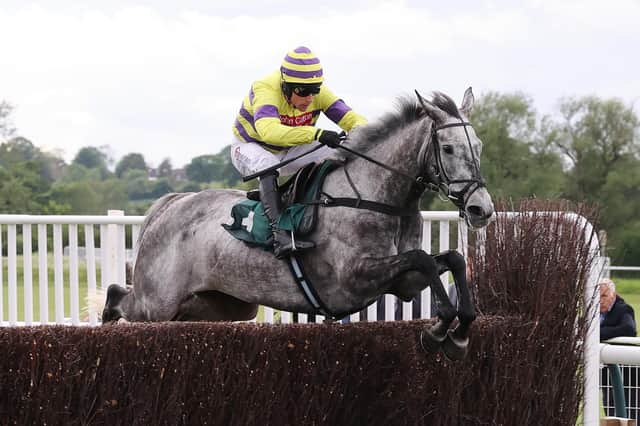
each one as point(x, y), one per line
point(330, 138)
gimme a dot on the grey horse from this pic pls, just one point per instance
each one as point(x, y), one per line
point(188, 268)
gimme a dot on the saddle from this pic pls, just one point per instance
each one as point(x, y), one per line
point(299, 197)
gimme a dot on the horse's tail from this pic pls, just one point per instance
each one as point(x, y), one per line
point(97, 298)
point(95, 303)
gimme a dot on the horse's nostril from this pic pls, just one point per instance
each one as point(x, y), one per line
point(475, 211)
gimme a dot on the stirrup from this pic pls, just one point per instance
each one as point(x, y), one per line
point(281, 250)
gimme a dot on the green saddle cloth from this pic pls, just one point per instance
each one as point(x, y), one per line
point(260, 232)
point(297, 217)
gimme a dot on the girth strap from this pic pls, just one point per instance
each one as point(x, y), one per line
point(358, 203)
point(308, 289)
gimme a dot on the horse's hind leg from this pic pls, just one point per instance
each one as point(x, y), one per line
point(457, 341)
point(214, 306)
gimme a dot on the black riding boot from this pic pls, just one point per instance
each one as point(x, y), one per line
point(283, 244)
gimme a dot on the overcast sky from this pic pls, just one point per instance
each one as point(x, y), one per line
point(166, 78)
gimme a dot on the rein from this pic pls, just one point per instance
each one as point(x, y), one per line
point(420, 182)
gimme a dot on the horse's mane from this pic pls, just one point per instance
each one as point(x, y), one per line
point(408, 110)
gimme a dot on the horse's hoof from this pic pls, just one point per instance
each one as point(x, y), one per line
point(454, 347)
point(430, 342)
point(122, 320)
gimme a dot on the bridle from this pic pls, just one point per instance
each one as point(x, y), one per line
point(437, 179)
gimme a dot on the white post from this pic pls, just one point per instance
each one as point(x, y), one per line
point(58, 274)
point(443, 245)
point(110, 252)
point(372, 312)
point(74, 290)
point(1, 282)
point(285, 317)
point(389, 307)
point(591, 408)
point(267, 315)
point(12, 273)
point(425, 302)
point(89, 244)
point(27, 267)
point(105, 279)
point(43, 274)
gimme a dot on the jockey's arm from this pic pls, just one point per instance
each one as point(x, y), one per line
point(273, 132)
point(338, 111)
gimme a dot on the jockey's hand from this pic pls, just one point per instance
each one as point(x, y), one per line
point(331, 139)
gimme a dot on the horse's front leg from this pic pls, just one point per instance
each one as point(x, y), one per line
point(457, 342)
point(397, 275)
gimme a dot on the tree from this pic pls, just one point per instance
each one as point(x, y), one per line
point(626, 249)
point(79, 173)
point(229, 175)
point(205, 168)
point(18, 149)
point(160, 187)
point(595, 137)
point(619, 210)
point(514, 162)
point(133, 161)
point(165, 168)
point(91, 157)
point(88, 197)
point(19, 186)
point(137, 184)
point(599, 141)
point(6, 128)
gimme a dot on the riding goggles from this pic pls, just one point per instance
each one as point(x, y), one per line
point(306, 90)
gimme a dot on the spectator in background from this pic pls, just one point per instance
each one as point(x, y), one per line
point(616, 317)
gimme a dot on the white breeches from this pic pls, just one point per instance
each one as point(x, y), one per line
point(249, 158)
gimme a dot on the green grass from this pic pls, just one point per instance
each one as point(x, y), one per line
point(82, 288)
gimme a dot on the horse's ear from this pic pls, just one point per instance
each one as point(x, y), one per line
point(467, 102)
point(426, 107)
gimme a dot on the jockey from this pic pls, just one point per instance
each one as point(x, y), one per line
point(276, 122)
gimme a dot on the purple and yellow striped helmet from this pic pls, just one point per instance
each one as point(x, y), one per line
point(301, 66)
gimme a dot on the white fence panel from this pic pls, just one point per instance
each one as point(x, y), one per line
point(69, 288)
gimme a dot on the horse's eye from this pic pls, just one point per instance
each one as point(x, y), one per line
point(448, 149)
